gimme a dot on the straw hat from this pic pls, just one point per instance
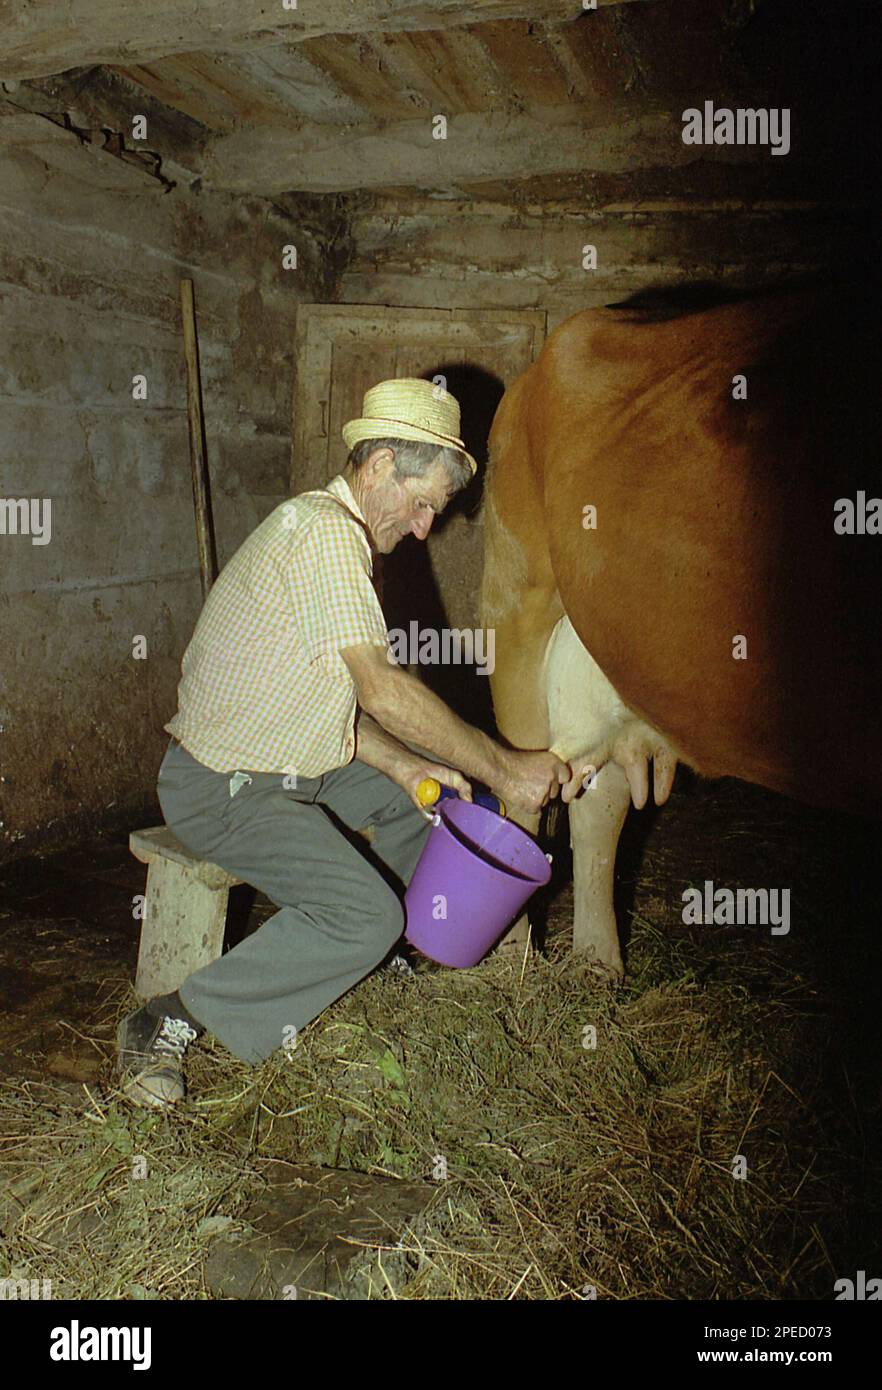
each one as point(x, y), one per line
point(408, 408)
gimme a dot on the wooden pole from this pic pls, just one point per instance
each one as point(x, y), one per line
point(201, 503)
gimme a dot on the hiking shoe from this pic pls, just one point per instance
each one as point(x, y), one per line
point(409, 963)
point(150, 1053)
point(402, 966)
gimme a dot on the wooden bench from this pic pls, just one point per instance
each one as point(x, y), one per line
point(185, 911)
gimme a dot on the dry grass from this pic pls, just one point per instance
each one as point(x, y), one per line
point(567, 1167)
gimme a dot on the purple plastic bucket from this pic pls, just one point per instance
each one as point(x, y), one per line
point(474, 875)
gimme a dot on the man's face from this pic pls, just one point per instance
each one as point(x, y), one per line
point(396, 507)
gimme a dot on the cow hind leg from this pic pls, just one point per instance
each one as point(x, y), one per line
point(596, 820)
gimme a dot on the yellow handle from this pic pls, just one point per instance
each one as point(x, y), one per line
point(428, 791)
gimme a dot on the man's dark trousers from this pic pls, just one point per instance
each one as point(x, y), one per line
point(339, 914)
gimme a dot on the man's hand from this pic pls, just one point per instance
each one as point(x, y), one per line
point(412, 769)
point(533, 779)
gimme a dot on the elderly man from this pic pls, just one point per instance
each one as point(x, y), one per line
point(293, 730)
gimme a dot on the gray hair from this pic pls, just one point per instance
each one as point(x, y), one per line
point(413, 458)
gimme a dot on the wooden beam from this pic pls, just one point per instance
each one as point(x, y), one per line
point(106, 103)
point(480, 146)
point(41, 37)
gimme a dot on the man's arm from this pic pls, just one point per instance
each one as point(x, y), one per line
point(412, 713)
point(375, 746)
point(378, 748)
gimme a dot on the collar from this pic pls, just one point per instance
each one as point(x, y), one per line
point(339, 488)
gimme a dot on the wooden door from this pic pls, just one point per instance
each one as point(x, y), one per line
point(342, 350)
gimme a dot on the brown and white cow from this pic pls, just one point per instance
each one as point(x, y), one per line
point(714, 614)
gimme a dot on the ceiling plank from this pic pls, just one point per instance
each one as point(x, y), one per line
point(522, 52)
point(218, 90)
point(352, 64)
point(41, 37)
point(443, 70)
point(287, 71)
point(177, 84)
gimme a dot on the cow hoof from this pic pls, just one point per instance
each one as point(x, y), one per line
point(607, 972)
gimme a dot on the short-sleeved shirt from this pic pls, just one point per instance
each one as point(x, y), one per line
point(263, 684)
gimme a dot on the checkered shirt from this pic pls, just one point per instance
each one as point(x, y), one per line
point(263, 685)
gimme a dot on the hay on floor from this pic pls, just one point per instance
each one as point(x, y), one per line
point(569, 1163)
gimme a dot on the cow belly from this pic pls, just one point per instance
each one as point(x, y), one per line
point(592, 729)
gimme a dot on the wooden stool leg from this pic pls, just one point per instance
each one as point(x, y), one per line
point(183, 928)
point(517, 936)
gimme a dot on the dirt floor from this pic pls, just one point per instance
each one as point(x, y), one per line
point(560, 1171)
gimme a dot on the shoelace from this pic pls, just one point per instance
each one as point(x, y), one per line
point(174, 1037)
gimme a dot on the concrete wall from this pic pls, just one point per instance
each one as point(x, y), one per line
point(91, 254)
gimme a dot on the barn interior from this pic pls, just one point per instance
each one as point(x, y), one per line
point(288, 162)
